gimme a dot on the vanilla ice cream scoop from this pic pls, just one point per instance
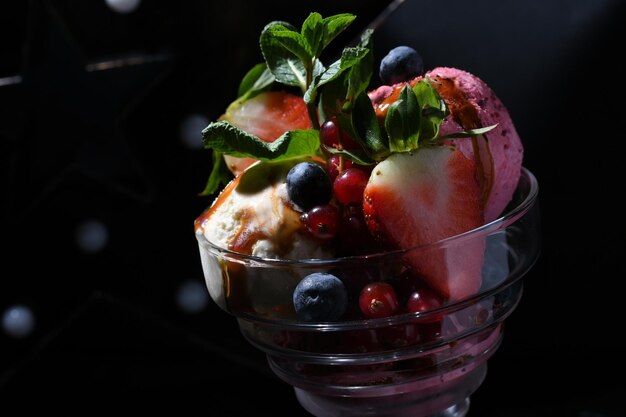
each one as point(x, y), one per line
point(254, 216)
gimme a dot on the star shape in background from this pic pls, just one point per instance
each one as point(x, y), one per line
point(92, 143)
point(73, 112)
point(65, 142)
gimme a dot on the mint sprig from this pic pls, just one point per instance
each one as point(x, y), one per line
point(292, 58)
point(257, 80)
point(227, 139)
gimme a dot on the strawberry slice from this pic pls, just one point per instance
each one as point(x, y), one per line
point(420, 198)
point(267, 115)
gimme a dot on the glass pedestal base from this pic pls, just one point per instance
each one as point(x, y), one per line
point(454, 401)
point(457, 410)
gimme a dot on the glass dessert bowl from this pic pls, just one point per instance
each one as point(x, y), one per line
point(413, 364)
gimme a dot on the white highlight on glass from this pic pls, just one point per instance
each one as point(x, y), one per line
point(192, 297)
point(18, 321)
point(92, 236)
point(123, 6)
point(191, 130)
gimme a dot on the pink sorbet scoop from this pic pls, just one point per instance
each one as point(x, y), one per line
point(473, 104)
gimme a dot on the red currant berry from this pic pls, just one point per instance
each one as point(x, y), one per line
point(336, 164)
point(332, 136)
point(422, 300)
point(322, 222)
point(349, 185)
point(378, 300)
point(354, 238)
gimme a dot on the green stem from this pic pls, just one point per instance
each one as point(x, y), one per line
point(315, 123)
point(311, 107)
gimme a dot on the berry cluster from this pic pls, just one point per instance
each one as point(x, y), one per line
point(325, 297)
point(330, 196)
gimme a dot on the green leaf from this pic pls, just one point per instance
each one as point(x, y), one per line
point(403, 122)
point(469, 133)
point(228, 139)
point(318, 71)
point(433, 109)
point(292, 41)
point(361, 73)
point(349, 58)
point(367, 129)
point(257, 80)
point(286, 53)
point(334, 25)
point(313, 33)
point(346, 78)
point(220, 175)
point(332, 98)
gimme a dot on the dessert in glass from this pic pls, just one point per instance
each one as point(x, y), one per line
point(370, 241)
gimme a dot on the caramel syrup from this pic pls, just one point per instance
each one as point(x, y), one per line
point(466, 115)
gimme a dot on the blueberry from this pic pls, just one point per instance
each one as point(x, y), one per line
point(402, 63)
point(308, 185)
point(320, 297)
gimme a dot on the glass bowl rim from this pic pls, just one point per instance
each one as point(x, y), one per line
point(499, 223)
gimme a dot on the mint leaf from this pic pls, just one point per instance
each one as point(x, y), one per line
point(346, 79)
point(361, 73)
point(220, 175)
point(320, 32)
point(257, 80)
point(356, 59)
point(313, 32)
point(290, 40)
point(349, 58)
point(433, 109)
point(469, 133)
point(226, 138)
point(403, 122)
point(367, 128)
point(286, 53)
point(334, 25)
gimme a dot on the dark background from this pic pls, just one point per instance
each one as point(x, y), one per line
point(91, 107)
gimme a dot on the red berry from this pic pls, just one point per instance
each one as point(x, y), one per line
point(336, 164)
point(322, 222)
point(333, 137)
point(349, 185)
point(422, 300)
point(378, 300)
point(354, 237)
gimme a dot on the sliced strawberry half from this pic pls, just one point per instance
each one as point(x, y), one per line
point(267, 115)
point(421, 198)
